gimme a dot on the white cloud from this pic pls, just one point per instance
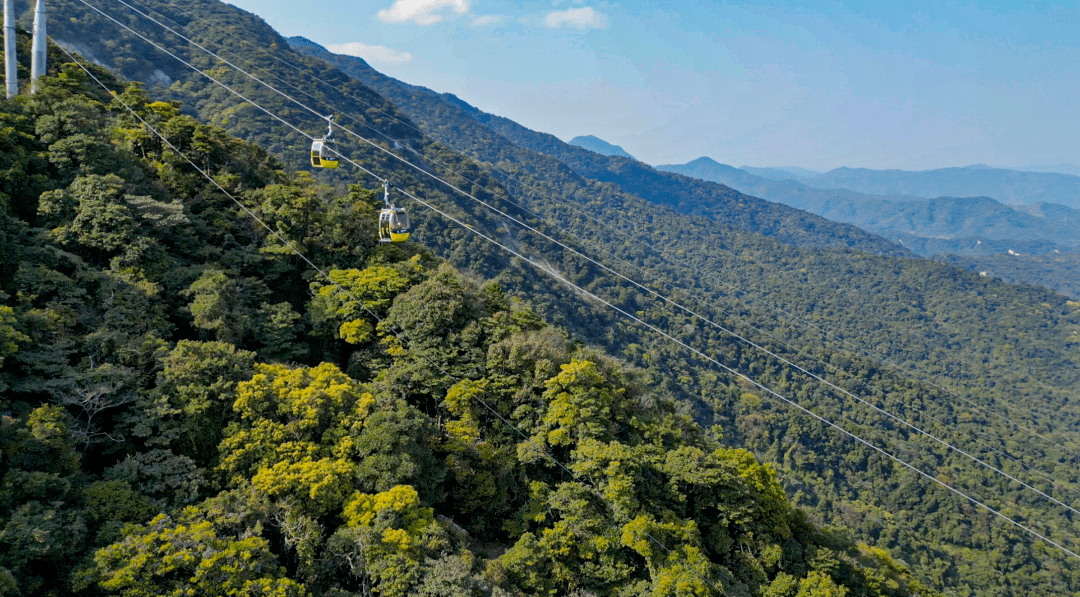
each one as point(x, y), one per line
point(370, 53)
point(422, 12)
point(488, 20)
point(578, 18)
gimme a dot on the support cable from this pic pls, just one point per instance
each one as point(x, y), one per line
point(632, 317)
point(756, 384)
point(857, 350)
point(644, 288)
point(576, 477)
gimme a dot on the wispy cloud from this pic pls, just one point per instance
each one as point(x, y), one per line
point(578, 18)
point(370, 53)
point(422, 12)
point(487, 20)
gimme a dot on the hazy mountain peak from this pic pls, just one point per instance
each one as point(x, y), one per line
point(598, 145)
point(706, 168)
point(704, 160)
point(707, 161)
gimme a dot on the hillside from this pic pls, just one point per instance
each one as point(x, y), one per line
point(1058, 271)
point(444, 116)
point(190, 409)
point(733, 258)
point(154, 422)
point(598, 145)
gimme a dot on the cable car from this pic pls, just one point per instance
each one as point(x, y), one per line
point(322, 150)
point(393, 225)
point(393, 221)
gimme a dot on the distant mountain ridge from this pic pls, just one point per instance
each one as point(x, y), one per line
point(1007, 186)
point(598, 145)
point(1070, 169)
point(961, 225)
point(783, 173)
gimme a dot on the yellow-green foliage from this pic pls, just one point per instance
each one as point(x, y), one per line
point(398, 533)
point(189, 556)
point(292, 421)
point(352, 298)
point(9, 336)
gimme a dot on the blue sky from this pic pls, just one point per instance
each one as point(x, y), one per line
point(812, 84)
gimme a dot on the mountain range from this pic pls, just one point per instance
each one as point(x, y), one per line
point(1018, 242)
point(962, 225)
point(808, 176)
point(1006, 186)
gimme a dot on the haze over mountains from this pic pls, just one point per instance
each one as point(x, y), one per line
point(810, 176)
point(1020, 243)
point(1070, 169)
point(963, 225)
point(1006, 186)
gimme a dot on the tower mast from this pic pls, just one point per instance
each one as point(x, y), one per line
point(38, 59)
point(11, 60)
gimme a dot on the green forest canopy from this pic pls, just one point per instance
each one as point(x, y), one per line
point(189, 410)
point(820, 471)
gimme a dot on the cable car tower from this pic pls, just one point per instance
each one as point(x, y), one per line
point(393, 221)
point(323, 153)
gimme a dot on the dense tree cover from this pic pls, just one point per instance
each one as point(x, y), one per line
point(1059, 271)
point(1006, 348)
point(190, 409)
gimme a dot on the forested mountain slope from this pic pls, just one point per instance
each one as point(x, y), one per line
point(1058, 271)
point(496, 140)
point(188, 408)
point(1002, 347)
